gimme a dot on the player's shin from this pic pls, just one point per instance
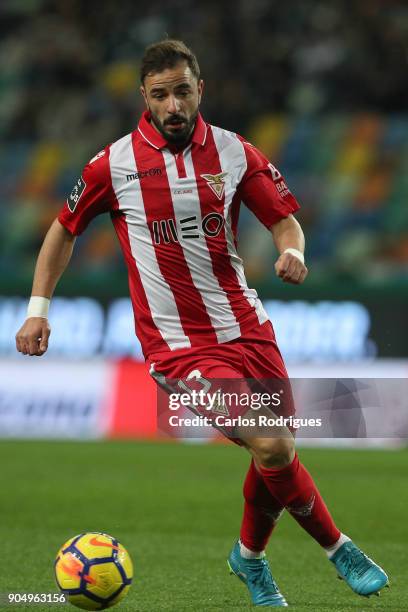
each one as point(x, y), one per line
point(261, 512)
point(294, 487)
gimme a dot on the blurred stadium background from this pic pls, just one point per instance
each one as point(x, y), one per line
point(320, 87)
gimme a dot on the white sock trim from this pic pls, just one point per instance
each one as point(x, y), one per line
point(330, 550)
point(246, 553)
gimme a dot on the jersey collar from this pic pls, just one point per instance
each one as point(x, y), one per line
point(156, 140)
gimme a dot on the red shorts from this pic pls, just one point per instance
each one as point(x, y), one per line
point(251, 363)
point(255, 355)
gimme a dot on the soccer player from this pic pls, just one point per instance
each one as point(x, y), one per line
point(173, 188)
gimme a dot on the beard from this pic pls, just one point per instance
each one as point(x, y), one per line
point(179, 135)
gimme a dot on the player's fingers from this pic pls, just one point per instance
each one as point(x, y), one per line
point(297, 274)
point(44, 339)
point(21, 343)
point(18, 343)
point(292, 270)
point(25, 350)
point(33, 345)
point(303, 275)
point(281, 266)
point(279, 269)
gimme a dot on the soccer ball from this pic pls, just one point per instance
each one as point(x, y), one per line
point(93, 570)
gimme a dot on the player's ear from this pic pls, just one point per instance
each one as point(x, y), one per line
point(143, 92)
point(200, 87)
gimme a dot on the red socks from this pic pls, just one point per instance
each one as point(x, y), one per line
point(293, 486)
point(261, 511)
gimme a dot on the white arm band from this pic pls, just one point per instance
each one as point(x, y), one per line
point(296, 253)
point(38, 307)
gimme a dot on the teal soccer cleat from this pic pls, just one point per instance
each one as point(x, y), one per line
point(361, 573)
point(256, 574)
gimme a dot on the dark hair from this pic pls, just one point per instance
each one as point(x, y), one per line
point(167, 54)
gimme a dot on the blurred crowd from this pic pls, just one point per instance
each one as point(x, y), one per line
point(321, 87)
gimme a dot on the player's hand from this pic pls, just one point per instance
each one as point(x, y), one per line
point(32, 338)
point(290, 269)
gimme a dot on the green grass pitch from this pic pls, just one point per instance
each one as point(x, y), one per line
point(177, 509)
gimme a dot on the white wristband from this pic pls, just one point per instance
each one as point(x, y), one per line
point(38, 307)
point(296, 253)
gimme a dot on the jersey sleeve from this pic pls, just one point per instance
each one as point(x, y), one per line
point(92, 195)
point(263, 189)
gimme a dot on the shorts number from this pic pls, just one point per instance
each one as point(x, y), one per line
point(195, 375)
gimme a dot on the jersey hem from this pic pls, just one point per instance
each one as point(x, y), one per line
point(201, 340)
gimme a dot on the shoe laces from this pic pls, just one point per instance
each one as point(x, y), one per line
point(259, 574)
point(354, 562)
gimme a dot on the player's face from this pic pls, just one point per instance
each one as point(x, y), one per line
point(173, 98)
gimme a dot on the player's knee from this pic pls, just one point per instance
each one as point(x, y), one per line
point(274, 452)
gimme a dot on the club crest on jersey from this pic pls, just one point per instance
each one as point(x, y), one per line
point(216, 183)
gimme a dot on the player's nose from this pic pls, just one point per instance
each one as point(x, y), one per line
point(173, 105)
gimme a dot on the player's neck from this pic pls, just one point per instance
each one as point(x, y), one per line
point(176, 148)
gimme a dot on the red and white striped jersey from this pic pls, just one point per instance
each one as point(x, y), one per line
point(176, 215)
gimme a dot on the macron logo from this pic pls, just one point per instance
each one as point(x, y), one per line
point(135, 176)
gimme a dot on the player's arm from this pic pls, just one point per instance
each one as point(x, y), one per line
point(53, 258)
point(264, 191)
point(290, 242)
point(91, 196)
